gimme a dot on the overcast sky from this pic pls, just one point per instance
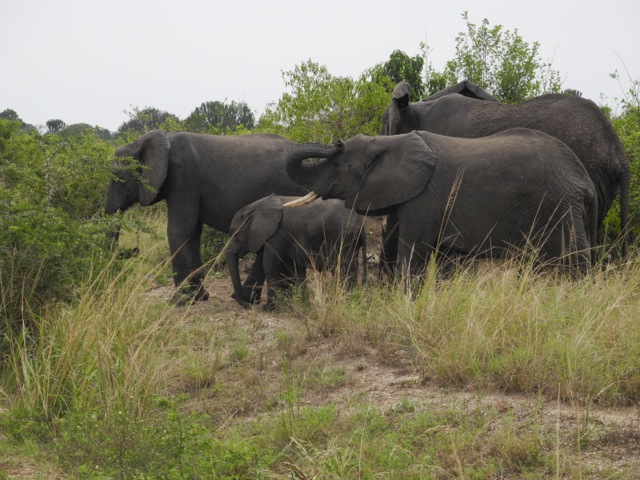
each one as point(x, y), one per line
point(88, 61)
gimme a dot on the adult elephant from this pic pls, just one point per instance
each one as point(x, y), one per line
point(483, 197)
point(577, 122)
point(324, 236)
point(204, 179)
point(466, 88)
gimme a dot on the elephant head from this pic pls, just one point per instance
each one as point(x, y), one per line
point(251, 227)
point(142, 184)
point(372, 174)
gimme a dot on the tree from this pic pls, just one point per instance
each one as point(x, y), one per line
point(9, 114)
point(220, 118)
point(401, 66)
point(149, 118)
point(499, 61)
point(321, 107)
point(55, 125)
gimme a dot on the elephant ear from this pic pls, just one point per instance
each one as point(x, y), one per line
point(263, 221)
point(152, 151)
point(397, 169)
point(400, 94)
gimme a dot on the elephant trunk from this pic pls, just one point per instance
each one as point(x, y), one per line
point(302, 172)
point(234, 272)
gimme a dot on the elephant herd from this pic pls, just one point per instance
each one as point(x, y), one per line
point(456, 175)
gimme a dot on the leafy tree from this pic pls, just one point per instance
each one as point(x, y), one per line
point(142, 121)
point(401, 66)
point(499, 61)
point(9, 114)
point(321, 107)
point(78, 129)
point(627, 125)
point(220, 118)
point(55, 125)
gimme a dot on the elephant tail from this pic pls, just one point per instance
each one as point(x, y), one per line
point(625, 230)
point(592, 214)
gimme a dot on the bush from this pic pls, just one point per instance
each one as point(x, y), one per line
point(52, 233)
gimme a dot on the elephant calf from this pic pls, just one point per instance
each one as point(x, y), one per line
point(323, 235)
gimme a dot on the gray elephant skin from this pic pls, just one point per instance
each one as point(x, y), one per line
point(576, 121)
point(204, 179)
point(323, 235)
point(473, 197)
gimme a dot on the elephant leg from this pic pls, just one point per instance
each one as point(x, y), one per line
point(279, 279)
point(387, 267)
point(414, 253)
point(252, 287)
point(184, 244)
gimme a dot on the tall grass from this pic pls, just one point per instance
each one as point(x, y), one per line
point(507, 326)
point(109, 351)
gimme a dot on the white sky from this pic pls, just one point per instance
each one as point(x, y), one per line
point(87, 61)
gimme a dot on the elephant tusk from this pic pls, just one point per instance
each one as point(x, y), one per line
point(298, 202)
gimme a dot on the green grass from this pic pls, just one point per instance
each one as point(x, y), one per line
point(122, 385)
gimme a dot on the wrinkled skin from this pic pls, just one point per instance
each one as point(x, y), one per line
point(323, 235)
point(577, 122)
point(204, 179)
point(485, 197)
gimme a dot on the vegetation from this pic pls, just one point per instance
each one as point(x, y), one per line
point(323, 108)
point(499, 61)
point(101, 378)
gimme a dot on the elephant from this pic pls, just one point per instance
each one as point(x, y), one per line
point(465, 87)
point(484, 197)
point(323, 235)
point(577, 122)
point(204, 179)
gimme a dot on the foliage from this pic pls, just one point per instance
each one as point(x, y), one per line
point(212, 247)
point(51, 233)
point(401, 66)
point(499, 61)
point(627, 125)
point(220, 118)
point(55, 125)
point(321, 107)
point(78, 129)
point(146, 119)
point(9, 114)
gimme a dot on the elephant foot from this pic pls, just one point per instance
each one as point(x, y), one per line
point(255, 296)
point(189, 296)
point(243, 303)
point(251, 293)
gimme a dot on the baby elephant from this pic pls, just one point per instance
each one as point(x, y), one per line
point(323, 235)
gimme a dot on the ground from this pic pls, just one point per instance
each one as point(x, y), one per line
point(386, 379)
point(243, 357)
